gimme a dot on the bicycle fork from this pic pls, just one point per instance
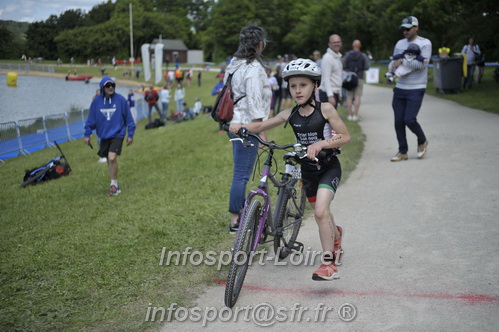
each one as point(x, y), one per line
point(265, 209)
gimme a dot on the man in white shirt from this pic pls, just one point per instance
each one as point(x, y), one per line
point(410, 89)
point(472, 52)
point(332, 68)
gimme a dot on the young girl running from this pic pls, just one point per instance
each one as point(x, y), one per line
point(319, 127)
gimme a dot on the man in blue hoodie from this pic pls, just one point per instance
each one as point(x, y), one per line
point(110, 116)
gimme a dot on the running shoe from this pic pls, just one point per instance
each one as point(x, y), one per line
point(113, 191)
point(422, 150)
point(399, 157)
point(102, 160)
point(327, 271)
point(233, 229)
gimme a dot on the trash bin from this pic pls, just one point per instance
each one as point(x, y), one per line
point(447, 75)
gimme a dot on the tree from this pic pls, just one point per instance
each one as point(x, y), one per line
point(70, 19)
point(99, 13)
point(40, 38)
point(7, 42)
point(111, 38)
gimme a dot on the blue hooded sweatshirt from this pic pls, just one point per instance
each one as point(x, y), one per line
point(109, 116)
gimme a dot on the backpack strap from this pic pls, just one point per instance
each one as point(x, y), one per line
point(229, 80)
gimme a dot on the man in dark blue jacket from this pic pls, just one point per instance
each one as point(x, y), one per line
point(110, 116)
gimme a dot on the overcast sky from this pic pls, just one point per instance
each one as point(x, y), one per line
point(40, 10)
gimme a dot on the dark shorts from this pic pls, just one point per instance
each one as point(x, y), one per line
point(324, 99)
point(110, 145)
point(327, 177)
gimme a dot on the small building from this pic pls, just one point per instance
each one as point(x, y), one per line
point(173, 50)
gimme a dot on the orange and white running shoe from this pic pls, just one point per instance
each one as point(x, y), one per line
point(327, 271)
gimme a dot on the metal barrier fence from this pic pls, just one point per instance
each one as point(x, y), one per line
point(26, 67)
point(30, 135)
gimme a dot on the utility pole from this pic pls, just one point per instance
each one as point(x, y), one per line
point(131, 37)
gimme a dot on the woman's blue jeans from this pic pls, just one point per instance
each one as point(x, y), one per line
point(180, 105)
point(165, 110)
point(468, 81)
point(244, 160)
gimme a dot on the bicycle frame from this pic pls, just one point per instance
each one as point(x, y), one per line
point(261, 191)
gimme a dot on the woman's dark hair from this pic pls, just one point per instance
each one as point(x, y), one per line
point(249, 39)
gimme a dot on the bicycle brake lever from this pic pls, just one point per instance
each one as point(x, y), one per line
point(237, 139)
point(301, 154)
point(245, 143)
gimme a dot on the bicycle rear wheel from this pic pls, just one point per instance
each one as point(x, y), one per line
point(241, 254)
point(290, 208)
point(35, 177)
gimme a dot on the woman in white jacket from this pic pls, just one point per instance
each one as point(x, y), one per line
point(251, 87)
point(179, 97)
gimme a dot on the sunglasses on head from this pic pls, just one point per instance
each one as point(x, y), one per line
point(109, 85)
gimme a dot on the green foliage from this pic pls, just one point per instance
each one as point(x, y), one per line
point(6, 40)
point(70, 19)
point(99, 13)
point(111, 38)
point(40, 38)
point(222, 35)
point(18, 29)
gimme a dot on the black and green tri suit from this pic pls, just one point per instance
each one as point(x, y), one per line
point(327, 172)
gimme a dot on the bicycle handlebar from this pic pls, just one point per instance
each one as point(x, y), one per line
point(300, 150)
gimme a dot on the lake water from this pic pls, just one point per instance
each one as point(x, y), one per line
point(37, 96)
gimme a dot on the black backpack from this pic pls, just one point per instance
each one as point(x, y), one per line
point(155, 124)
point(350, 80)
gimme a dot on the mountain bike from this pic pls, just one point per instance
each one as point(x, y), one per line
point(257, 221)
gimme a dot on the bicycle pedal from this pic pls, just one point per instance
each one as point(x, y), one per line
point(296, 246)
point(263, 237)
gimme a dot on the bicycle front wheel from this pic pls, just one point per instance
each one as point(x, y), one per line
point(290, 209)
point(242, 253)
point(35, 178)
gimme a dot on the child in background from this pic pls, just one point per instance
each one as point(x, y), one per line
point(198, 107)
point(131, 104)
point(413, 52)
point(164, 96)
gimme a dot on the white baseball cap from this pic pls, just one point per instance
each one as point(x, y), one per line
point(409, 22)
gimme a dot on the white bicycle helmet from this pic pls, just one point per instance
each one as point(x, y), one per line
point(302, 67)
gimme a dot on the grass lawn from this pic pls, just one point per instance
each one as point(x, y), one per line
point(72, 258)
point(484, 96)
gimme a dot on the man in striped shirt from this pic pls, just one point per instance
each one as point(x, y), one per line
point(409, 92)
